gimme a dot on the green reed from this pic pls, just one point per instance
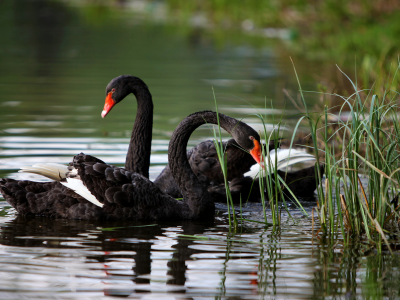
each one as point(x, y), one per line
point(224, 167)
point(273, 188)
point(364, 145)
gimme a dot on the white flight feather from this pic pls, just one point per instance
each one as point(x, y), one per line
point(78, 187)
point(59, 172)
point(286, 157)
point(50, 170)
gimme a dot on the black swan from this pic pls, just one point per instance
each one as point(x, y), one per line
point(202, 158)
point(90, 189)
point(138, 156)
point(242, 171)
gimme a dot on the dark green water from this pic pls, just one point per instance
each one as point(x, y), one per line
point(55, 61)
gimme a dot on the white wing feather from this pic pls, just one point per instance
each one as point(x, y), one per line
point(78, 187)
point(286, 157)
point(50, 170)
point(59, 172)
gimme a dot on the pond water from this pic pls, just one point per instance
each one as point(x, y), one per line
point(55, 61)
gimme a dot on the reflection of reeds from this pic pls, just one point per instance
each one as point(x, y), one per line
point(365, 142)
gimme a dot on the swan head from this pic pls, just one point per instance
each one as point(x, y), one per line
point(256, 152)
point(249, 139)
point(119, 88)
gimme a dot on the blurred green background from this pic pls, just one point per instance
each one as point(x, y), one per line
point(56, 58)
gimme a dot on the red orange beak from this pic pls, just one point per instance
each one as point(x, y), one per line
point(108, 105)
point(256, 151)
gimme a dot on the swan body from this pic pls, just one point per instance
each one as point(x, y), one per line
point(92, 189)
point(203, 160)
point(242, 172)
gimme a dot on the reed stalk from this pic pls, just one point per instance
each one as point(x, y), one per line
point(224, 167)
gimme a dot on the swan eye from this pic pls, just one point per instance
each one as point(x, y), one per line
point(251, 138)
point(113, 90)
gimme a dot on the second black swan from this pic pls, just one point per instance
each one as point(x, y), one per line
point(91, 189)
point(243, 184)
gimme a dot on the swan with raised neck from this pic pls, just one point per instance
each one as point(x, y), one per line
point(138, 155)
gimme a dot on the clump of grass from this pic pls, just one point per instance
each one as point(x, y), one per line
point(360, 194)
point(273, 187)
point(362, 177)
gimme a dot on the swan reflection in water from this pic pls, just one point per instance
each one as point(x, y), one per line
point(90, 259)
point(124, 258)
point(102, 252)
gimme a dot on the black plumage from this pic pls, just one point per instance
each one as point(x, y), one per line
point(204, 162)
point(138, 155)
point(125, 194)
point(302, 183)
point(202, 158)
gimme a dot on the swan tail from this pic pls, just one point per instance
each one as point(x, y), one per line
point(50, 170)
point(78, 187)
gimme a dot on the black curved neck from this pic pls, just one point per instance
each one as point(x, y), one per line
point(194, 194)
point(138, 156)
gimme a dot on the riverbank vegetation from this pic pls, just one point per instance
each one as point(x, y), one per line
point(361, 141)
point(330, 28)
point(356, 33)
point(358, 200)
point(340, 32)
